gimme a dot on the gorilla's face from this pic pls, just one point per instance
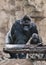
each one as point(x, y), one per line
point(35, 38)
point(26, 23)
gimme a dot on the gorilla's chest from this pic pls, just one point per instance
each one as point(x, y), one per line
point(22, 36)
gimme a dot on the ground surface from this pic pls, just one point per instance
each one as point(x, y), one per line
point(15, 62)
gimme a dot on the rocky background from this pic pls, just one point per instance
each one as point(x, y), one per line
point(11, 10)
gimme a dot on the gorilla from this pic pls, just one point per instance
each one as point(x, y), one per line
point(22, 30)
point(20, 33)
point(36, 40)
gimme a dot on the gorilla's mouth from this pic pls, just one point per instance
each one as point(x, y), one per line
point(35, 40)
point(26, 28)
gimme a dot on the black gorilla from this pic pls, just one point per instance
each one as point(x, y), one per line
point(21, 32)
point(36, 40)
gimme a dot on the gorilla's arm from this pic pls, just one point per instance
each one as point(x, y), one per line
point(33, 28)
point(14, 29)
point(8, 38)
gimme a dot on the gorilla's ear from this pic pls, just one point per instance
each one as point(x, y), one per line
point(26, 18)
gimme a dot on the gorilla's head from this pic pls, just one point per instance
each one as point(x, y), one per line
point(35, 38)
point(25, 22)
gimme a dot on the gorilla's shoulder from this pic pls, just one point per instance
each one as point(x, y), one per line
point(33, 24)
point(17, 22)
point(15, 25)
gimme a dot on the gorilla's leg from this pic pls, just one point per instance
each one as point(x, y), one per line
point(12, 55)
point(22, 56)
